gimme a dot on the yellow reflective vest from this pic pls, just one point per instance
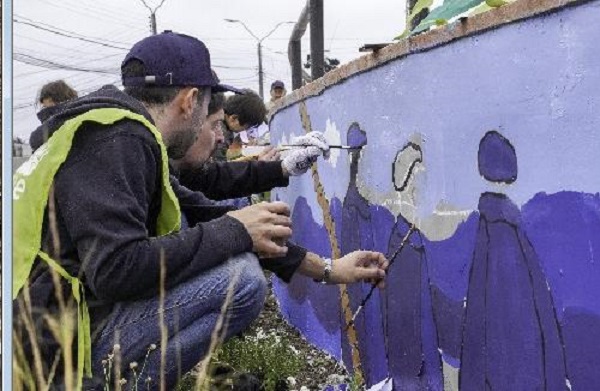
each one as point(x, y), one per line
point(31, 187)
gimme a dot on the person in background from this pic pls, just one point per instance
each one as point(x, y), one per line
point(51, 98)
point(238, 179)
point(243, 112)
point(234, 181)
point(56, 92)
point(277, 92)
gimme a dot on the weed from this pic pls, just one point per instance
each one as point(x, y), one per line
point(355, 383)
point(264, 355)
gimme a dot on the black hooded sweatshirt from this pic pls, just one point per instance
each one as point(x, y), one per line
point(107, 197)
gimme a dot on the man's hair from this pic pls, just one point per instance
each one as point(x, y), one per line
point(217, 101)
point(249, 107)
point(58, 91)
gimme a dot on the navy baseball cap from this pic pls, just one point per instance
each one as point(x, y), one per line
point(172, 59)
point(277, 84)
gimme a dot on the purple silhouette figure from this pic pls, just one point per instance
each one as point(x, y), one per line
point(357, 234)
point(511, 337)
point(412, 348)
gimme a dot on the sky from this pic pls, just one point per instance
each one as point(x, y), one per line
point(93, 37)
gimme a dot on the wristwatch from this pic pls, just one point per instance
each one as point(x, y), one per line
point(326, 277)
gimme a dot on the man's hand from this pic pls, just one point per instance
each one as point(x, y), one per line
point(269, 226)
point(269, 154)
point(367, 266)
point(299, 159)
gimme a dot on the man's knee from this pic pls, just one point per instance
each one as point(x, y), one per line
point(251, 286)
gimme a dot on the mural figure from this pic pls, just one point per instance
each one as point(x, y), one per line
point(449, 263)
point(357, 233)
point(511, 337)
point(564, 228)
point(413, 358)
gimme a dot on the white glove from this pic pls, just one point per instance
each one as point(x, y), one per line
point(315, 139)
point(299, 160)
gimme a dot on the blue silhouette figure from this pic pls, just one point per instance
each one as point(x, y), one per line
point(357, 234)
point(511, 337)
point(412, 348)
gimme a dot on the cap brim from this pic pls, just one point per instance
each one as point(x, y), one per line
point(227, 88)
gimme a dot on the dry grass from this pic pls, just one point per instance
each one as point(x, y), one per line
point(217, 336)
point(161, 322)
point(63, 326)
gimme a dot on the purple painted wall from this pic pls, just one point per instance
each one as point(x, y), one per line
point(490, 145)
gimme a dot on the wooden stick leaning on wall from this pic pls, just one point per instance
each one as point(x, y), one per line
point(335, 254)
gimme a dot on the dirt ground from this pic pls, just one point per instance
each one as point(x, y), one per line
point(320, 370)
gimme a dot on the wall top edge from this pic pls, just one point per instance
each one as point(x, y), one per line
point(464, 27)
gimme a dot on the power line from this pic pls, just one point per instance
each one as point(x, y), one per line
point(56, 28)
point(97, 13)
point(72, 52)
point(276, 39)
point(153, 11)
point(32, 60)
point(81, 38)
point(233, 67)
point(23, 106)
point(24, 83)
point(76, 59)
point(228, 79)
point(51, 64)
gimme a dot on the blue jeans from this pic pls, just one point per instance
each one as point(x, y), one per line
point(191, 311)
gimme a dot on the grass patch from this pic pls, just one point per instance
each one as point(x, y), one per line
point(265, 356)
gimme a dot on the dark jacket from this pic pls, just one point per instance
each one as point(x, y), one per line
point(224, 180)
point(47, 112)
point(107, 196)
point(41, 135)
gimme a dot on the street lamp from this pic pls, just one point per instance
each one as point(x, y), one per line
point(259, 47)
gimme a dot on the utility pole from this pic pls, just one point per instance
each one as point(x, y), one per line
point(260, 71)
point(317, 41)
point(295, 47)
point(259, 50)
point(153, 15)
point(153, 23)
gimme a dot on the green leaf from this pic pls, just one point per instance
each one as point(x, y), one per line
point(421, 5)
point(418, 7)
point(481, 8)
point(448, 10)
point(441, 22)
point(495, 3)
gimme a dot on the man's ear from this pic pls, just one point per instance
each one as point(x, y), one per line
point(231, 120)
point(186, 100)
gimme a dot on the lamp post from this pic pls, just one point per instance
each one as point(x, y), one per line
point(259, 49)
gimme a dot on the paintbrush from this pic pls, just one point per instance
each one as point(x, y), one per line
point(284, 147)
point(252, 152)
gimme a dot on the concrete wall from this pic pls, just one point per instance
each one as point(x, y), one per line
point(486, 136)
